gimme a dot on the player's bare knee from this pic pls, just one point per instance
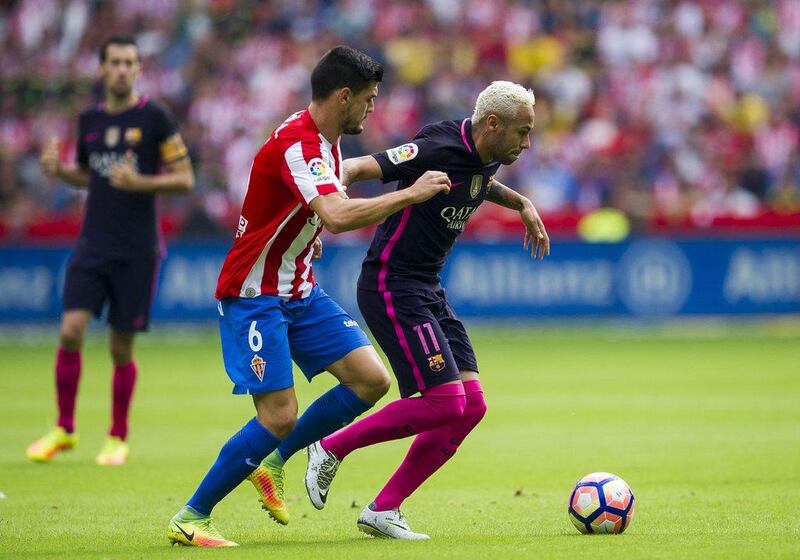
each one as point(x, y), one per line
point(71, 338)
point(373, 385)
point(279, 422)
point(121, 353)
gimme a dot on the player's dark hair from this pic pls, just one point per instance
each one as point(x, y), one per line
point(342, 67)
point(122, 40)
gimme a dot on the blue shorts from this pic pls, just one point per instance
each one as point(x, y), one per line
point(262, 335)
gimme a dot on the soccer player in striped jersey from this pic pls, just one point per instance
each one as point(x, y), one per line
point(272, 312)
point(406, 309)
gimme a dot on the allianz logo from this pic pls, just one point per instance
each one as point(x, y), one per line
point(457, 218)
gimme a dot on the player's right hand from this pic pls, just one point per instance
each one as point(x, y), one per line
point(429, 185)
point(50, 159)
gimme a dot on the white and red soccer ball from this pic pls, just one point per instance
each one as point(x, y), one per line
point(601, 503)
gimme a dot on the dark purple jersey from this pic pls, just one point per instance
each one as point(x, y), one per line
point(117, 223)
point(413, 243)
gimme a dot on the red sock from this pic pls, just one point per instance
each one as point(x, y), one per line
point(68, 373)
point(431, 450)
point(124, 382)
point(439, 405)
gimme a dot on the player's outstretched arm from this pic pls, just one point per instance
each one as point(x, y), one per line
point(52, 167)
point(535, 234)
point(340, 214)
point(178, 177)
point(362, 168)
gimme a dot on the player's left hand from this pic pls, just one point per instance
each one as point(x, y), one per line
point(317, 251)
point(535, 235)
point(123, 176)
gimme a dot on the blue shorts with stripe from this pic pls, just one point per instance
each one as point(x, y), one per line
point(261, 337)
point(421, 335)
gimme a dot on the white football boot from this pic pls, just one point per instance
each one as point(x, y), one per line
point(387, 525)
point(321, 469)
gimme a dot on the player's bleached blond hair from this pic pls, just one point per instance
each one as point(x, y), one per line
point(502, 99)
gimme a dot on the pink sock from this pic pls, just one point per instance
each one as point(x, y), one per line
point(431, 450)
point(439, 405)
point(124, 382)
point(68, 373)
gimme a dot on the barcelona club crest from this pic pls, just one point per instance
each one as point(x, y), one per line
point(112, 136)
point(133, 136)
point(436, 362)
point(257, 364)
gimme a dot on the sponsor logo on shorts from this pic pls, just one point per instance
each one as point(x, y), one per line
point(257, 364)
point(350, 323)
point(403, 153)
point(436, 362)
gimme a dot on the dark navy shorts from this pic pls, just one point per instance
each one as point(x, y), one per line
point(419, 332)
point(127, 285)
point(261, 336)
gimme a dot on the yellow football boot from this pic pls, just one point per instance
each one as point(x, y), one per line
point(268, 480)
point(114, 452)
point(195, 532)
point(44, 449)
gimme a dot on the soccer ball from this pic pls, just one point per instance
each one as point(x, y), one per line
point(601, 503)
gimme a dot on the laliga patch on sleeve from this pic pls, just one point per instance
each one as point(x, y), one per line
point(320, 172)
point(403, 153)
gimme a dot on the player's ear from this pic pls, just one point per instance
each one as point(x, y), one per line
point(492, 122)
point(344, 95)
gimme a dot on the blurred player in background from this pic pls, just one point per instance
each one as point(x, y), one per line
point(406, 308)
point(271, 310)
point(122, 143)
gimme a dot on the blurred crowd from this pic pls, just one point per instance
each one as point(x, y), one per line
point(678, 110)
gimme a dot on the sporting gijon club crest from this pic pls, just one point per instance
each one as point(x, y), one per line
point(257, 364)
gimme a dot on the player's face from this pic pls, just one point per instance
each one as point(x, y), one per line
point(357, 108)
point(120, 69)
point(513, 136)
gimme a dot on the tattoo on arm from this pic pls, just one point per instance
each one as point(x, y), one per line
point(504, 196)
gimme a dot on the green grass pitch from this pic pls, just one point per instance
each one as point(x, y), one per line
point(704, 426)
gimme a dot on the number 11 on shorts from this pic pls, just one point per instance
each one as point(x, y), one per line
point(421, 335)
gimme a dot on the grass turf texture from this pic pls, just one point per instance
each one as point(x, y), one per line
point(705, 429)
